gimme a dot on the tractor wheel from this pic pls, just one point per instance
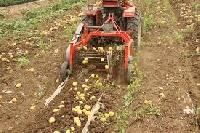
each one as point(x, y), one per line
point(129, 73)
point(135, 25)
point(64, 72)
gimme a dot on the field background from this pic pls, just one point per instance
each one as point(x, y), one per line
point(13, 2)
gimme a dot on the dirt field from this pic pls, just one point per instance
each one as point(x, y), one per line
point(168, 96)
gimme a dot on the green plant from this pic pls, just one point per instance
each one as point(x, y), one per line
point(149, 21)
point(43, 46)
point(23, 61)
point(178, 36)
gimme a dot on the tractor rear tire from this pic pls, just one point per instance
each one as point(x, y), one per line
point(134, 25)
point(64, 72)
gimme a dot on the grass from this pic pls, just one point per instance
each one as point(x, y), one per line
point(147, 109)
point(149, 21)
point(4, 3)
point(23, 61)
point(33, 18)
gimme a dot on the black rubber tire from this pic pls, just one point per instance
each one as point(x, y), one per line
point(134, 25)
point(65, 71)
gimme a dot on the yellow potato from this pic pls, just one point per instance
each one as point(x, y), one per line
point(92, 97)
point(102, 59)
point(111, 114)
point(86, 80)
point(106, 67)
point(79, 112)
point(93, 75)
point(103, 119)
point(55, 110)
point(106, 115)
point(67, 131)
point(110, 48)
point(77, 121)
point(56, 132)
point(61, 106)
point(87, 113)
point(52, 120)
point(74, 84)
point(78, 107)
point(72, 128)
point(87, 107)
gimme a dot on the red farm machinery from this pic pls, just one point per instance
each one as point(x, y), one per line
point(106, 39)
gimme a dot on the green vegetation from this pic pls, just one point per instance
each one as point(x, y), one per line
point(126, 111)
point(13, 2)
point(32, 18)
point(23, 61)
point(147, 109)
point(148, 22)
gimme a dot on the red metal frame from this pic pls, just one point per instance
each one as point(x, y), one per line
point(87, 36)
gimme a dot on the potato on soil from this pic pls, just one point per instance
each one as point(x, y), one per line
point(84, 62)
point(56, 132)
point(55, 110)
point(103, 119)
point(107, 115)
point(67, 131)
point(92, 97)
point(52, 120)
point(72, 128)
point(18, 85)
point(75, 84)
point(111, 114)
point(87, 107)
point(106, 67)
point(77, 121)
point(61, 106)
point(86, 80)
point(93, 75)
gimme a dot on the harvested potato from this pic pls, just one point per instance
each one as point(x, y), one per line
point(61, 106)
point(18, 85)
point(106, 115)
point(110, 48)
point(55, 110)
point(84, 62)
point(93, 75)
point(52, 120)
point(86, 80)
point(72, 128)
point(103, 119)
point(56, 132)
point(79, 111)
point(87, 113)
point(74, 84)
point(77, 121)
point(102, 59)
point(111, 114)
point(92, 97)
point(106, 67)
point(87, 107)
point(67, 131)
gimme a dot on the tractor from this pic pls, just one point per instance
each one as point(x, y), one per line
point(107, 39)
